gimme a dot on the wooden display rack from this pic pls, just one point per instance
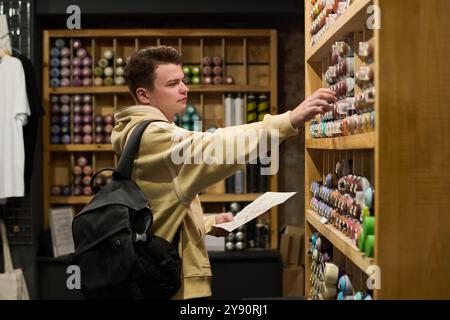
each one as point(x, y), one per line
point(406, 158)
point(250, 56)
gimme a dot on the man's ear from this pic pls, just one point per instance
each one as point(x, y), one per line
point(142, 96)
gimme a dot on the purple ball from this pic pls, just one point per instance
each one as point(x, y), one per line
point(65, 52)
point(87, 61)
point(55, 129)
point(65, 99)
point(87, 82)
point(81, 53)
point(54, 99)
point(87, 98)
point(86, 72)
point(65, 82)
point(87, 108)
point(65, 62)
point(65, 109)
point(87, 129)
point(76, 98)
point(108, 128)
point(56, 139)
point(66, 191)
point(77, 119)
point(76, 62)
point(65, 129)
point(65, 119)
point(76, 72)
point(98, 119)
point(55, 108)
point(77, 128)
point(65, 72)
point(76, 44)
point(65, 139)
point(55, 119)
point(87, 139)
point(77, 139)
point(77, 82)
point(56, 190)
point(87, 191)
point(87, 119)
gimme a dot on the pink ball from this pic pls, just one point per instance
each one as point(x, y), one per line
point(76, 44)
point(99, 139)
point(108, 128)
point(87, 139)
point(207, 80)
point(109, 119)
point(65, 82)
point(76, 72)
point(65, 52)
point(76, 62)
point(207, 60)
point(87, 170)
point(207, 70)
point(78, 180)
point(77, 82)
point(87, 108)
point(82, 161)
point(76, 98)
point(217, 80)
point(65, 109)
point(87, 119)
point(229, 80)
point(81, 53)
point(65, 72)
point(65, 99)
point(87, 129)
point(217, 70)
point(65, 62)
point(55, 108)
point(86, 72)
point(87, 61)
point(87, 191)
point(56, 190)
point(76, 120)
point(86, 180)
point(77, 170)
point(217, 60)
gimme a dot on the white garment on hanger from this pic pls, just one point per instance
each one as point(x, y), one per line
point(14, 112)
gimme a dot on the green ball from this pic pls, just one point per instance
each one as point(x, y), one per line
point(98, 71)
point(190, 109)
point(186, 70)
point(195, 80)
point(196, 70)
point(186, 118)
point(195, 117)
point(186, 126)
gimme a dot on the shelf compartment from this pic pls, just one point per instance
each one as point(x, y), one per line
point(351, 20)
point(192, 88)
point(353, 142)
point(207, 198)
point(79, 147)
point(339, 241)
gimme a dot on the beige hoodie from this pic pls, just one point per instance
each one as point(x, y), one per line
point(172, 189)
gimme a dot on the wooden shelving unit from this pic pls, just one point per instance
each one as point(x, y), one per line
point(250, 56)
point(406, 158)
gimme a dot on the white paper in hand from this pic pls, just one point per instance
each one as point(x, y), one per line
point(255, 209)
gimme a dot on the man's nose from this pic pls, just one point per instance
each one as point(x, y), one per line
point(183, 87)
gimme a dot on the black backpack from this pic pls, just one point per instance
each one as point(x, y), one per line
point(118, 256)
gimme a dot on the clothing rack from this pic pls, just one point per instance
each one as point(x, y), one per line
point(18, 14)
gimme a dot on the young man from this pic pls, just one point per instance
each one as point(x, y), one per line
point(154, 77)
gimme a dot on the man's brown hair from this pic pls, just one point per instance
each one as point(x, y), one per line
point(140, 69)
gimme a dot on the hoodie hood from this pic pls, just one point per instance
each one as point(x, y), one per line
point(127, 118)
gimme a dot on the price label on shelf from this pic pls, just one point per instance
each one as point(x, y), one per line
point(323, 220)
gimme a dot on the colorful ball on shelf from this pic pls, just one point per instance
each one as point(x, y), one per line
point(109, 81)
point(108, 54)
point(82, 161)
point(54, 82)
point(78, 180)
point(87, 98)
point(217, 60)
point(87, 191)
point(217, 70)
point(207, 80)
point(77, 82)
point(65, 129)
point(77, 190)
point(65, 109)
point(103, 63)
point(217, 80)
point(54, 52)
point(207, 61)
point(64, 62)
point(207, 71)
point(56, 190)
point(87, 170)
point(64, 72)
point(76, 98)
point(119, 71)
point(119, 81)
point(99, 139)
point(65, 119)
point(76, 62)
point(120, 61)
point(55, 139)
point(77, 108)
point(86, 72)
point(55, 108)
point(109, 71)
point(186, 71)
point(76, 44)
point(87, 139)
point(77, 138)
point(81, 53)
point(108, 119)
point(195, 70)
point(65, 138)
point(195, 80)
point(99, 129)
point(87, 119)
point(55, 129)
point(98, 119)
point(60, 43)
point(87, 108)
point(98, 71)
point(108, 128)
point(55, 119)
point(229, 80)
point(87, 82)
point(65, 52)
point(77, 170)
point(98, 81)
point(66, 191)
point(65, 82)
point(87, 61)
point(87, 129)
point(55, 62)
point(54, 72)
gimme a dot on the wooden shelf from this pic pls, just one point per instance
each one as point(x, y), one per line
point(207, 198)
point(79, 147)
point(351, 20)
point(229, 197)
point(357, 141)
point(339, 241)
point(124, 89)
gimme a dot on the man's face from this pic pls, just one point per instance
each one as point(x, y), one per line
point(169, 93)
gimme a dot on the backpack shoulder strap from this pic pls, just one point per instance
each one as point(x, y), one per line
point(126, 162)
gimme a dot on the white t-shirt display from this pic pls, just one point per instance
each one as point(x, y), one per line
point(14, 112)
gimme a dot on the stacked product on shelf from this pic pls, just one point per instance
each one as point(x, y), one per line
point(351, 114)
point(109, 70)
point(257, 108)
point(346, 201)
point(82, 119)
point(192, 74)
point(213, 71)
point(81, 65)
point(82, 174)
point(190, 120)
point(328, 281)
point(103, 128)
point(252, 235)
point(324, 14)
point(60, 119)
